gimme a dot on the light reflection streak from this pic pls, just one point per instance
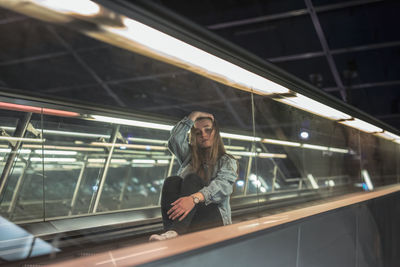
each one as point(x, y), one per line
point(130, 256)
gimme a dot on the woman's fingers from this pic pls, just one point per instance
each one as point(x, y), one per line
point(171, 210)
point(177, 201)
point(176, 214)
point(181, 207)
point(174, 211)
point(184, 215)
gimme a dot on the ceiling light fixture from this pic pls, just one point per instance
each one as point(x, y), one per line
point(23, 139)
point(53, 159)
point(136, 123)
point(145, 147)
point(362, 125)
point(145, 140)
point(175, 51)
point(79, 7)
point(144, 161)
point(388, 135)
point(272, 155)
point(56, 152)
point(280, 142)
point(314, 147)
point(310, 105)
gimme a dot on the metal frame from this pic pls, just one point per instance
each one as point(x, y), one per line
point(19, 132)
point(103, 178)
point(289, 14)
point(179, 27)
point(325, 47)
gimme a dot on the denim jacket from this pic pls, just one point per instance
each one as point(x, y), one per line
point(223, 176)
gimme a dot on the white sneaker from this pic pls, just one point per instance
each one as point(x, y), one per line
point(167, 235)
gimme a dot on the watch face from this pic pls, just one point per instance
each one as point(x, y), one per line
point(196, 200)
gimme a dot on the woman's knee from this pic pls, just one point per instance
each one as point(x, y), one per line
point(172, 182)
point(193, 179)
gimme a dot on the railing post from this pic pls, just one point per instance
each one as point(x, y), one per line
point(19, 132)
point(99, 191)
point(78, 184)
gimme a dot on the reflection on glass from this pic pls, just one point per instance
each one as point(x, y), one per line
point(17, 244)
point(75, 165)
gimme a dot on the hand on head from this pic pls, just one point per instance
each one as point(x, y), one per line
point(199, 114)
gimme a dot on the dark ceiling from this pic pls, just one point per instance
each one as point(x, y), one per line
point(350, 49)
point(354, 54)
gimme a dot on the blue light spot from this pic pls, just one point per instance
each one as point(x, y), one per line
point(365, 187)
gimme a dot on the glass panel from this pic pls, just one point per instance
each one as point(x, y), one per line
point(378, 162)
point(301, 152)
point(72, 165)
point(137, 170)
point(22, 196)
point(109, 159)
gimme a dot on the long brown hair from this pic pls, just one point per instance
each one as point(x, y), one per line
point(204, 160)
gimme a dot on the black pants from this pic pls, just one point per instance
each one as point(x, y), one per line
point(200, 217)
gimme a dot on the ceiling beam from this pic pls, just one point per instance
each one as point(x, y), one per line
point(334, 52)
point(289, 14)
point(83, 64)
point(325, 48)
point(364, 85)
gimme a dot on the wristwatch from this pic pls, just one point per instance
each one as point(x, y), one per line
point(196, 200)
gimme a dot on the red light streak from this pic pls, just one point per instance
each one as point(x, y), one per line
point(46, 111)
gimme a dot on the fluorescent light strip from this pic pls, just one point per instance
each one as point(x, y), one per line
point(145, 38)
point(129, 146)
point(338, 150)
point(388, 135)
point(31, 140)
point(139, 152)
point(243, 153)
point(77, 134)
point(272, 155)
point(362, 125)
point(78, 7)
point(97, 160)
point(53, 159)
point(20, 151)
point(310, 105)
point(314, 147)
point(55, 152)
point(144, 161)
point(280, 142)
point(162, 161)
point(92, 149)
point(145, 140)
point(260, 155)
point(136, 123)
point(240, 137)
point(235, 147)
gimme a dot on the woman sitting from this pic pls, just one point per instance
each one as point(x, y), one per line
point(198, 198)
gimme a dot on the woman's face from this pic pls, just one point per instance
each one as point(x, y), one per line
point(204, 132)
